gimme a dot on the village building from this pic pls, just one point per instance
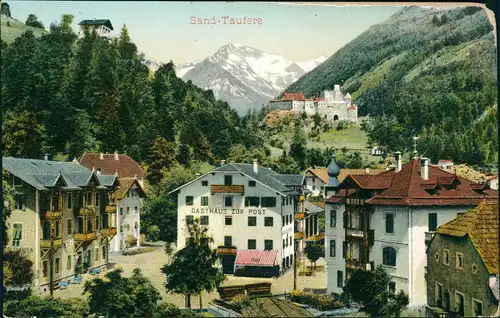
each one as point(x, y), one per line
point(493, 182)
point(102, 27)
point(62, 219)
point(463, 265)
point(127, 196)
point(332, 105)
point(385, 219)
point(249, 209)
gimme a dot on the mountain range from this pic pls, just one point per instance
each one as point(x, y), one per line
point(243, 76)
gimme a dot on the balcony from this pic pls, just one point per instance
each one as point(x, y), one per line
point(354, 233)
point(299, 216)
point(50, 215)
point(110, 231)
point(317, 237)
point(87, 211)
point(354, 264)
point(299, 235)
point(85, 237)
point(44, 244)
point(235, 189)
point(227, 250)
point(111, 208)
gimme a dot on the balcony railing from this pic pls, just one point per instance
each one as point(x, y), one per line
point(227, 250)
point(317, 237)
point(46, 243)
point(110, 231)
point(55, 214)
point(85, 237)
point(299, 216)
point(354, 264)
point(299, 235)
point(356, 233)
point(88, 210)
point(111, 208)
point(238, 189)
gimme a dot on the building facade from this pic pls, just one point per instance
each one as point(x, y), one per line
point(463, 265)
point(61, 217)
point(386, 219)
point(127, 197)
point(102, 27)
point(247, 209)
point(332, 105)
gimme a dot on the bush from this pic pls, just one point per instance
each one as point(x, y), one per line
point(343, 124)
point(165, 309)
point(319, 302)
point(240, 301)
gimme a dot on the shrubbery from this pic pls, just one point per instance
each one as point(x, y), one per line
point(240, 301)
point(319, 302)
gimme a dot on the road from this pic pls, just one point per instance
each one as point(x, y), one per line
point(151, 262)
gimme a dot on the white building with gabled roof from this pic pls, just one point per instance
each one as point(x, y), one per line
point(248, 209)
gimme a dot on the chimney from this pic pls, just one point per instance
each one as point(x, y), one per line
point(101, 156)
point(222, 162)
point(424, 168)
point(255, 166)
point(116, 155)
point(397, 156)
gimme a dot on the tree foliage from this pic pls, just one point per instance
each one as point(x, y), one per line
point(33, 21)
point(314, 251)
point(35, 306)
point(371, 289)
point(192, 269)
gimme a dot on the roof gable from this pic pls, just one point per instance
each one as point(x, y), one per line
point(105, 22)
point(124, 167)
point(481, 226)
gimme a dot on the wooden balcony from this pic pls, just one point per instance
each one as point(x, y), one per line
point(236, 189)
point(299, 216)
point(111, 208)
point(227, 250)
point(299, 235)
point(87, 211)
point(317, 237)
point(85, 237)
point(44, 244)
point(110, 231)
point(354, 264)
point(354, 233)
point(50, 215)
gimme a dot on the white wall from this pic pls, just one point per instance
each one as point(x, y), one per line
point(239, 230)
point(311, 181)
point(127, 216)
point(337, 233)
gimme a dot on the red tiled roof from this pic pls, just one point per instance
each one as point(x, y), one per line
point(408, 188)
point(125, 166)
point(341, 195)
point(481, 225)
point(373, 182)
point(322, 173)
point(352, 107)
point(294, 96)
point(256, 258)
point(492, 177)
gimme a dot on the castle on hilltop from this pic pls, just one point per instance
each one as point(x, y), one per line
point(332, 105)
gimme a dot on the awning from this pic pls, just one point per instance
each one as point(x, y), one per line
point(256, 258)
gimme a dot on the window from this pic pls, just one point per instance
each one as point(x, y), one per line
point(20, 202)
point(189, 200)
point(287, 261)
point(268, 221)
point(477, 307)
point(438, 295)
point(345, 220)
point(252, 221)
point(68, 262)
point(96, 255)
point(189, 219)
point(45, 268)
point(283, 221)
point(459, 303)
point(97, 195)
point(389, 223)
point(252, 244)
point(314, 187)
point(290, 239)
point(57, 264)
point(389, 256)
point(332, 248)
point(17, 229)
point(432, 222)
point(228, 180)
point(229, 220)
point(392, 287)
point(204, 183)
point(446, 257)
point(121, 211)
point(70, 227)
point(252, 201)
point(103, 252)
point(340, 279)
point(284, 243)
point(228, 241)
point(459, 260)
point(313, 179)
point(333, 218)
point(344, 249)
point(436, 257)
point(89, 198)
point(97, 224)
point(268, 202)
point(204, 201)
point(204, 220)
point(69, 198)
point(252, 183)
point(128, 210)
point(228, 201)
point(474, 269)
point(268, 245)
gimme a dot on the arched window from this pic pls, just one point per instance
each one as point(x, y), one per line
point(389, 256)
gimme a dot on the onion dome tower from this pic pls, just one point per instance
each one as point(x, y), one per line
point(333, 173)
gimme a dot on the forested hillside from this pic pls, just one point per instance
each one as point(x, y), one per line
point(424, 72)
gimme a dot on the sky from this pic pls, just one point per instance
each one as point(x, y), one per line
point(163, 30)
